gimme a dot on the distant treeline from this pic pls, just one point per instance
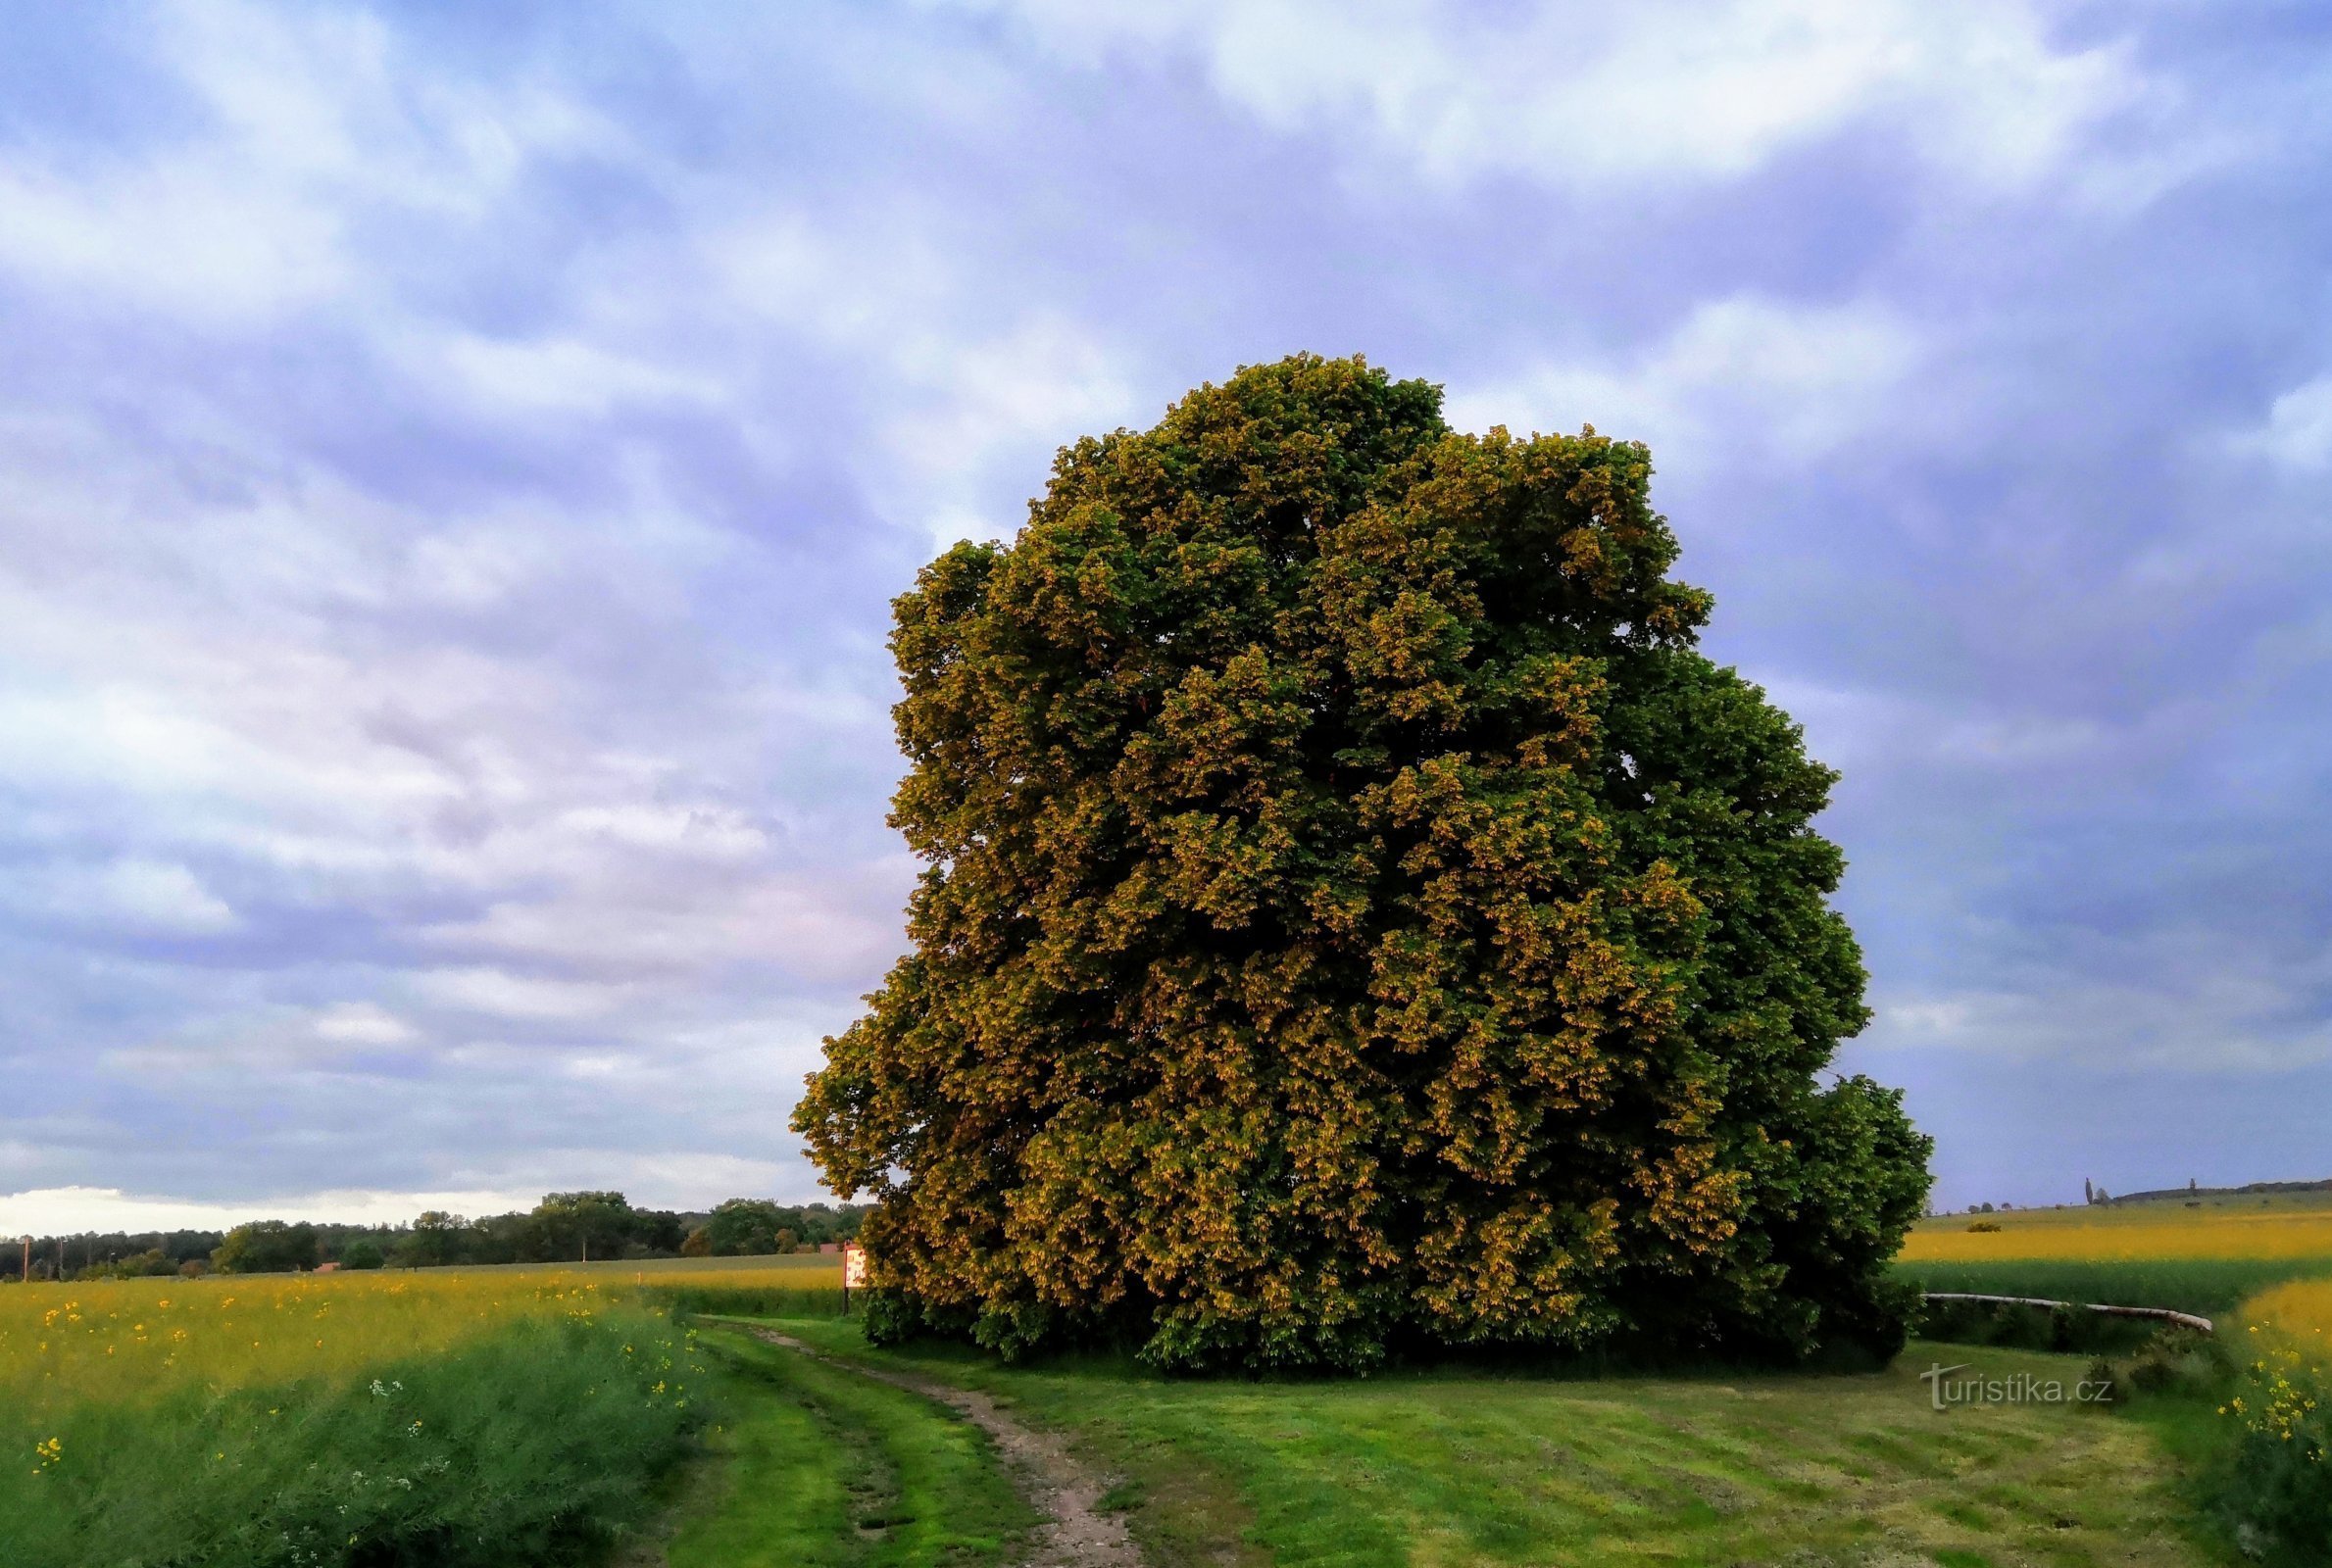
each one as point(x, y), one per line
point(2191, 1190)
point(564, 1227)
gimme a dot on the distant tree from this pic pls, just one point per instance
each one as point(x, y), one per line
point(1356, 913)
point(363, 1254)
point(655, 1233)
point(266, 1247)
point(744, 1227)
point(433, 1240)
point(697, 1245)
point(591, 1224)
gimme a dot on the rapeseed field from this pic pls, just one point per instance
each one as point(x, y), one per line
point(2206, 1258)
point(491, 1416)
point(2154, 1232)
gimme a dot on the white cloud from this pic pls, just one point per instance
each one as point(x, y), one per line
point(500, 994)
point(73, 1211)
point(1743, 371)
point(1006, 401)
point(562, 376)
point(1579, 94)
point(2297, 433)
point(2187, 1020)
point(161, 896)
point(309, 122)
point(361, 1024)
point(969, 397)
point(132, 895)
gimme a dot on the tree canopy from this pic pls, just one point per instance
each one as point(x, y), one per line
point(1356, 917)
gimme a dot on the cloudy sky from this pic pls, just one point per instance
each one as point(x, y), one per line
point(454, 460)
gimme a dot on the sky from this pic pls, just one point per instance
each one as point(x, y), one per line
point(455, 463)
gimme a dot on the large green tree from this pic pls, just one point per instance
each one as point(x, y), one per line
point(1356, 917)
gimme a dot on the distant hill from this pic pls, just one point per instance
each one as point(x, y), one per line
point(2250, 1190)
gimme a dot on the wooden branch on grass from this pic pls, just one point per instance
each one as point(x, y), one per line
point(2184, 1319)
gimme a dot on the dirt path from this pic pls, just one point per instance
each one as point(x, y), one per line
point(1075, 1532)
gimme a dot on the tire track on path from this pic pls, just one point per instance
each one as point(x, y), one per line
point(1076, 1533)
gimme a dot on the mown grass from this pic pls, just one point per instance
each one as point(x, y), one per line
point(1457, 1469)
point(828, 1469)
point(453, 1419)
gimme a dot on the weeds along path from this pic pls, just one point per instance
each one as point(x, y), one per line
point(1073, 1532)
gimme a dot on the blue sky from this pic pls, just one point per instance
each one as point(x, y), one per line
point(455, 462)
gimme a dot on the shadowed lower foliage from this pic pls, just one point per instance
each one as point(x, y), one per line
point(1357, 917)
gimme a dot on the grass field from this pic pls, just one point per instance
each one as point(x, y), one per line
point(1455, 1469)
point(821, 1468)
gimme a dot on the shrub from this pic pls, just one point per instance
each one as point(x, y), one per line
point(2181, 1361)
point(2070, 1331)
point(2273, 1484)
point(2105, 1386)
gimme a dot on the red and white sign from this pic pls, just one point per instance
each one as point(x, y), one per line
point(853, 1266)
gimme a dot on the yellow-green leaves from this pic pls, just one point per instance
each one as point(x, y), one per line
point(1356, 914)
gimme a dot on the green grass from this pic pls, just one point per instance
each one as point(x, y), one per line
point(1457, 1469)
point(827, 1469)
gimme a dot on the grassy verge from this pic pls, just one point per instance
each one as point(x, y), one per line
point(537, 1442)
point(1463, 1469)
point(828, 1469)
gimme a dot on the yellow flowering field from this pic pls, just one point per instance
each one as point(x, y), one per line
point(477, 1418)
point(2299, 1312)
point(2153, 1233)
point(127, 1339)
point(2275, 1478)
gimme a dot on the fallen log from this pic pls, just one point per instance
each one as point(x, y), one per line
point(2184, 1319)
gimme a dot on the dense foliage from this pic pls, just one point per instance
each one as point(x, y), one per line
point(752, 1227)
point(1356, 914)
